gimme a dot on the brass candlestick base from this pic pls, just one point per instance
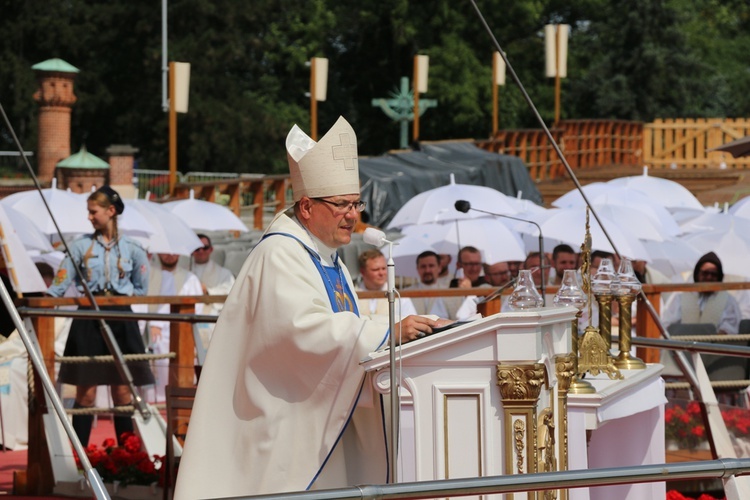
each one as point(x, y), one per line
point(579, 386)
point(625, 361)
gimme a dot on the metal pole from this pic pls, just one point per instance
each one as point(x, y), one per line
point(313, 101)
point(164, 68)
point(654, 473)
point(395, 400)
point(172, 132)
point(415, 84)
point(94, 480)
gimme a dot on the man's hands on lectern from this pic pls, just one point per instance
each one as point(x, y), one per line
point(416, 327)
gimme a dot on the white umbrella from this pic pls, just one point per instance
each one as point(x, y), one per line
point(741, 208)
point(71, 215)
point(670, 194)
point(729, 238)
point(204, 215)
point(602, 193)
point(568, 225)
point(490, 236)
point(672, 257)
point(31, 236)
point(437, 205)
point(171, 234)
point(24, 275)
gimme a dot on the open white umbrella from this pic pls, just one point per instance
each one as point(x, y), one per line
point(671, 194)
point(490, 236)
point(204, 215)
point(606, 194)
point(726, 234)
point(673, 256)
point(71, 215)
point(438, 205)
point(24, 275)
point(568, 225)
point(31, 236)
point(171, 234)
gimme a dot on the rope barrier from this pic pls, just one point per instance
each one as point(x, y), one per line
point(109, 359)
point(719, 384)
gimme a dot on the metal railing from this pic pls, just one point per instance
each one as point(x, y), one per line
point(655, 473)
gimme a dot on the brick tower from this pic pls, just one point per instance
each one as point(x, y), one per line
point(56, 98)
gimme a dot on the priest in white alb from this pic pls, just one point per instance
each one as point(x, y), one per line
point(281, 403)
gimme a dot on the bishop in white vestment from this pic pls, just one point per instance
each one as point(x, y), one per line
point(282, 403)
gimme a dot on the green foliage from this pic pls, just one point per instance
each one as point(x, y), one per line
point(627, 60)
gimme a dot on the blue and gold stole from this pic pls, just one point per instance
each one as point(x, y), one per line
point(339, 293)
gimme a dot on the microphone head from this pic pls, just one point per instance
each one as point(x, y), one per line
point(374, 237)
point(462, 206)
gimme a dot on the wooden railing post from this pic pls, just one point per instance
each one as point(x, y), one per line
point(182, 343)
point(647, 327)
point(39, 479)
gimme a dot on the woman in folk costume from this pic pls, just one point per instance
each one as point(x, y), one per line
point(112, 264)
point(281, 404)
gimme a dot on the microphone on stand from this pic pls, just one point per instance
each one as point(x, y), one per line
point(464, 206)
point(376, 237)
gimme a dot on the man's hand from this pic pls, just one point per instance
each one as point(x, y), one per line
point(416, 327)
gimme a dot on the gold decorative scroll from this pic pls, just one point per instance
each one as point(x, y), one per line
point(519, 431)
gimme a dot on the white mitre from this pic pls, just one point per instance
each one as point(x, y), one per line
point(326, 168)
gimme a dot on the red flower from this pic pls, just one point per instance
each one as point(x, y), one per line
point(698, 431)
point(676, 495)
point(109, 443)
point(132, 443)
point(694, 409)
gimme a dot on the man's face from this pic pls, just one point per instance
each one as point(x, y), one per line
point(201, 255)
point(538, 274)
point(708, 272)
point(374, 274)
point(498, 274)
point(333, 225)
point(471, 263)
point(563, 261)
point(168, 260)
point(428, 269)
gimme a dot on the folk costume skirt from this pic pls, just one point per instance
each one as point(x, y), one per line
point(85, 339)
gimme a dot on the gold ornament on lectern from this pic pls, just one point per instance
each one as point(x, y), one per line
point(593, 348)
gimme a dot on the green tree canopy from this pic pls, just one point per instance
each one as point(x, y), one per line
point(627, 60)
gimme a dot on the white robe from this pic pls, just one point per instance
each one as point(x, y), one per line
point(280, 380)
point(165, 283)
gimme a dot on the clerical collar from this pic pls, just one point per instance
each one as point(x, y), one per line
point(326, 253)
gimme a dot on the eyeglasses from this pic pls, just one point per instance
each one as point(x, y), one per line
point(344, 207)
point(713, 274)
point(204, 248)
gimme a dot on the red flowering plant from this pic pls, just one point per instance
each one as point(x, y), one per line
point(126, 464)
point(684, 424)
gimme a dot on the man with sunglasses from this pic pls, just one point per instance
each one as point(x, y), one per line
point(282, 403)
point(719, 308)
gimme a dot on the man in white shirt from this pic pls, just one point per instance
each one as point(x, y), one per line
point(215, 280)
point(497, 274)
point(170, 280)
point(374, 276)
point(428, 268)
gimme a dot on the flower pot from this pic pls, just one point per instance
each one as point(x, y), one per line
point(133, 491)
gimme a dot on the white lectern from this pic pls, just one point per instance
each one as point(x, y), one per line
point(491, 398)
